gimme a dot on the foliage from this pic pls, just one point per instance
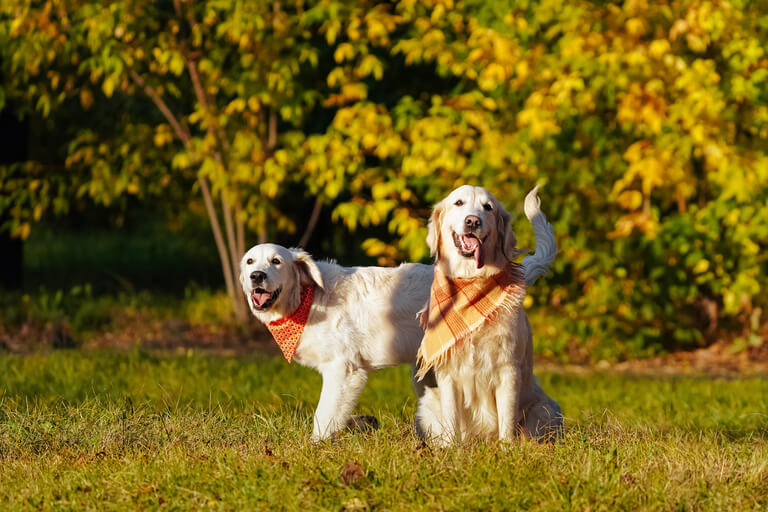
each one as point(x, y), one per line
point(647, 121)
point(124, 431)
point(203, 84)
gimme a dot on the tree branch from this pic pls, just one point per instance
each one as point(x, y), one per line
point(181, 133)
point(240, 225)
point(272, 140)
point(220, 246)
point(312, 222)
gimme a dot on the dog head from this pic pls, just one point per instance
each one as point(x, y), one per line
point(272, 278)
point(470, 229)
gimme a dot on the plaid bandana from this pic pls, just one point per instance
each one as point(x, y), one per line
point(458, 307)
point(287, 331)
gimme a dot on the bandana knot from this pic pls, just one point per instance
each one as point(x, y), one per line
point(458, 307)
point(287, 330)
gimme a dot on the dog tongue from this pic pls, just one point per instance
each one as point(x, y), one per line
point(259, 298)
point(472, 244)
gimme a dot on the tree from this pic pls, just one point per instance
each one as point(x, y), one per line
point(222, 78)
point(647, 122)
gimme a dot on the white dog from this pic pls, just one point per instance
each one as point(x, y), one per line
point(485, 383)
point(359, 319)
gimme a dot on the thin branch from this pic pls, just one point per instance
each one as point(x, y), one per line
point(231, 242)
point(209, 206)
point(185, 137)
point(228, 252)
point(272, 140)
point(312, 223)
point(181, 133)
point(240, 226)
point(196, 84)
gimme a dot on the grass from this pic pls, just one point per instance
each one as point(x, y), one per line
point(112, 431)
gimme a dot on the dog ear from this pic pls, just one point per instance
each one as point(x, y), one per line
point(507, 238)
point(434, 229)
point(307, 268)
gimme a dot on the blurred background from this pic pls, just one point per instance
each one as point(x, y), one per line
point(144, 146)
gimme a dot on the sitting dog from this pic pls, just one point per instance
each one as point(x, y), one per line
point(344, 322)
point(478, 339)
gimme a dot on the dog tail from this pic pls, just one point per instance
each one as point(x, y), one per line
point(546, 248)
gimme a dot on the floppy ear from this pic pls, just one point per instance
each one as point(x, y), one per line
point(307, 268)
point(434, 228)
point(507, 239)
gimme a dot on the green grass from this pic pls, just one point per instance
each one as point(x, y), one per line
point(108, 430)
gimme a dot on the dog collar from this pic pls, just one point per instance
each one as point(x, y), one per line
point(287, 330)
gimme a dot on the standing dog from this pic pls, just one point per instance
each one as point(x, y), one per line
point(349, 321)
point(483, 357)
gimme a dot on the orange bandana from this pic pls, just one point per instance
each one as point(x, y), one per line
point(458, 307)
point(287, 331)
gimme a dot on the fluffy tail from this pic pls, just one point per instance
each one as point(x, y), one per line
point(546, 247)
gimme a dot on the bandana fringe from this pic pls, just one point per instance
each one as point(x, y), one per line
point(511, 299)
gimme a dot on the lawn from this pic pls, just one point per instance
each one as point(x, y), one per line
point(130, 430)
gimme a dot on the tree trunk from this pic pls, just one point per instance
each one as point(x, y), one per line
point(312, 223)
point(226, 251)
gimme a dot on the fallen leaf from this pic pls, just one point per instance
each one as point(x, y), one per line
point(351, 472)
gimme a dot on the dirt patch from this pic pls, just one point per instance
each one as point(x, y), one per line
point(147, 334)
point(138, 330)
point(717, 360)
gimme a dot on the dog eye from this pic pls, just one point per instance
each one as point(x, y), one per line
point(459, 203)
point(487, 207)
point(249, 261)
point(275, 261)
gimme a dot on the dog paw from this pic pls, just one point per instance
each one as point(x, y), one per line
point(363, 424)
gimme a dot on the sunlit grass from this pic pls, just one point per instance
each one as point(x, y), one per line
point(108, 430)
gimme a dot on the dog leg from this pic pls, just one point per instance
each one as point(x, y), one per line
point(508, 402)
point(341, 389)
point(449, 409)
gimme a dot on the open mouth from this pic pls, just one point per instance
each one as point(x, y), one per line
point(470, 246)
point(262, 299)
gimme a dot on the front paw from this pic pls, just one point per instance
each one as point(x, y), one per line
point(319, 438)
point(445, 439)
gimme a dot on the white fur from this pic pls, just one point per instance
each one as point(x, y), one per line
point(487, 388)
point(362, 319)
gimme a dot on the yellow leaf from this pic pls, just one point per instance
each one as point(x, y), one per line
point(16, 25)
point(659, 48)
point(344, 51)
point(22, 231)
point(630, 199)
point(86, 98)
point(701, 267)
point(108, 86)
point(635, 27)
point(696, 43)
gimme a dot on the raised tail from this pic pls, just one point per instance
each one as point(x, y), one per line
point(546, 248)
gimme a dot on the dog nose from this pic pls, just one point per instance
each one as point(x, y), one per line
point(258, 276)
point(472, 222)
